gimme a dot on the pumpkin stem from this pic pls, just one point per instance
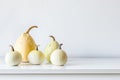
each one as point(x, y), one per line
point(30, 29)
point(11, 47)
point(53, 38)
point(60, 46)
point(37, 47)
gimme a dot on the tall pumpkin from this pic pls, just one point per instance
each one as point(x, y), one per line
point(25, 43)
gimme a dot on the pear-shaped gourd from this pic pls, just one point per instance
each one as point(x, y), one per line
point(25, 43)
point(50, 48)
point(58, 57)
point(13, 58)
point(36, 56)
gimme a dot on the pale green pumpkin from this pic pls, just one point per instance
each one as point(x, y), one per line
point(53, 45)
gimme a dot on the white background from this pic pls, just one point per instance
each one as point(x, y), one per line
point(87, 28)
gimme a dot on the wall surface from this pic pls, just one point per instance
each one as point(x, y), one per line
point(87, 28)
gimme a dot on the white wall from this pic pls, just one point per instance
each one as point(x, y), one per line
point(87, 28)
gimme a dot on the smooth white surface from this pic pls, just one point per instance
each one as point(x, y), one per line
point(87, 28)
point(60, 77)
point(75, 66)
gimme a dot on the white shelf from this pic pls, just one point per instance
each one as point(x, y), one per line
point(73, 66)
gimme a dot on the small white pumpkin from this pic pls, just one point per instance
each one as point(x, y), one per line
point(36, 56)
point(58, 57)
point(13, 58)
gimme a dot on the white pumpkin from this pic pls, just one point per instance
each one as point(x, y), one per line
point(13, 58)
point(58, 57)
point(36, 57)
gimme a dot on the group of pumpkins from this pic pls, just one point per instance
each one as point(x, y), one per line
point(26, 50)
